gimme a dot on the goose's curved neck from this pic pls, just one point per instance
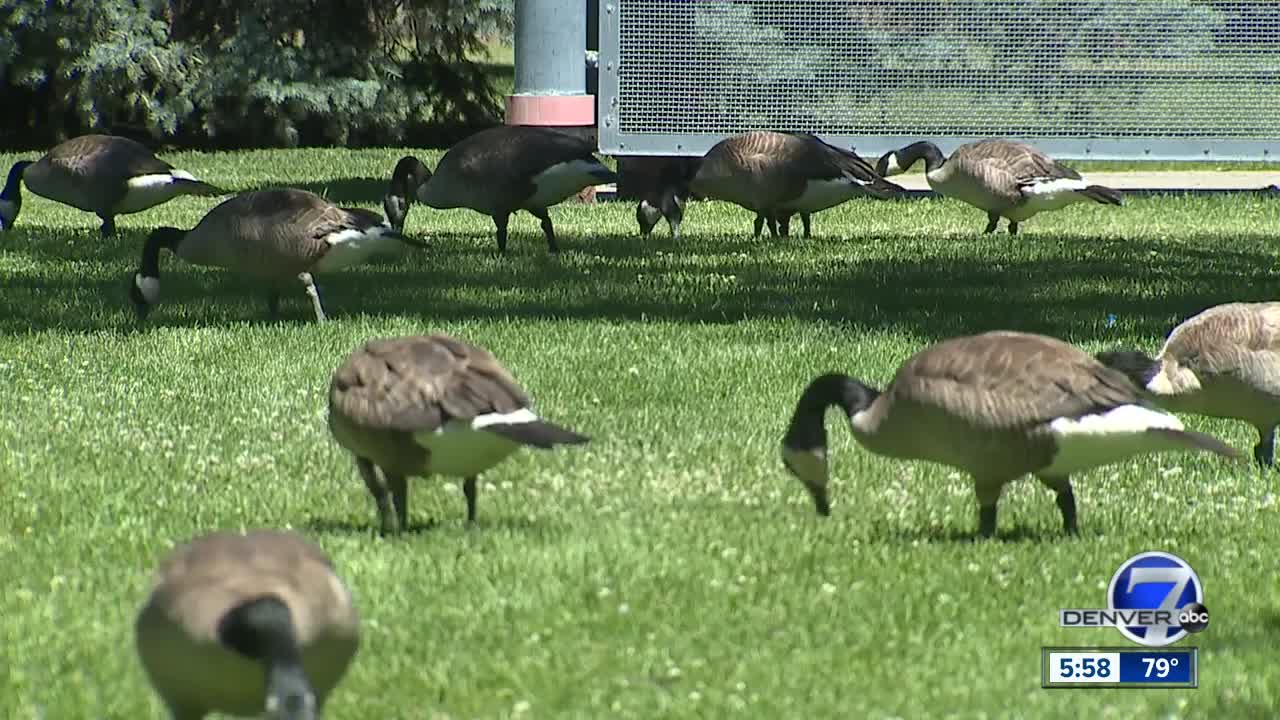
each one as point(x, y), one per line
point(807, 430)
point(13, 184)
point(162, 237)
point(923, 150)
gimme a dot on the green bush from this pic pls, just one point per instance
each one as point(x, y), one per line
point(286, 72)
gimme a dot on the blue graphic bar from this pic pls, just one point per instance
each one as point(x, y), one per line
point(1119, 667)
point(1157, 666)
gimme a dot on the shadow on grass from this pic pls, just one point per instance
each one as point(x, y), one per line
point(945, 535)
point(329, 526)
point(1059, 285)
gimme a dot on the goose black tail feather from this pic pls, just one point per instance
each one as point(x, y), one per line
point(1104, 195)
point(1199, 441)
point(198, 187)
point(539, 434)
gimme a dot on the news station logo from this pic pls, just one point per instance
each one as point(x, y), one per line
point(1155, 599)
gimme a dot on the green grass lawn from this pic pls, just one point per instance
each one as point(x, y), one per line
point(671, 568)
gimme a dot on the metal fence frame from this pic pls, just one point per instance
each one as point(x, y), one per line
point(614, 141)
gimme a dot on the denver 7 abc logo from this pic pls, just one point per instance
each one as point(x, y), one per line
point(1155, 599)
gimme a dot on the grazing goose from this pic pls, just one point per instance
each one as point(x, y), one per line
point(277, 236)
point(1224, 362)
point(508, 168)
point(996, 406)
point(775, 173)
point(246, 624)
point(430, 405)
point(1004, 177)
point(668, 197)
point(101, 174)
point(408, 176)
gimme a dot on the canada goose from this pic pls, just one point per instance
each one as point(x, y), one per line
point(408, 176)
point(668, 196)
point(430, 405)
point(773, 173)
point(277, 236)
point(1224, 362)
point(1004, 177)
point(508, 168)
point(242, 624)
point(102, 174)
point(997, 406)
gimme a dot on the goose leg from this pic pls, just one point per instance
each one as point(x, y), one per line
point(988, 493)
point(500, 221)
point(773, 225)
point(400, 496)
point(784, 225)
point(759, 225)
point(1264, 453)
point(273, 304)
point(379, 493)
point(469, 490)
point(547, 229)
point(1066, 501)
point(1013, 228)
point(108, 225)
point(309, 284)
point(804, 218)
point(992, 221)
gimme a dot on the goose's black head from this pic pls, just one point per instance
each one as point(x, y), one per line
point(408, 176)
point(11, 196)
point(804, 447)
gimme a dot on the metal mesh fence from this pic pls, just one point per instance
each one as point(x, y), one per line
point(1166, 78)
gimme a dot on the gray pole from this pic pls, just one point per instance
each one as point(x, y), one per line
point(550, 57)
point(551, 40)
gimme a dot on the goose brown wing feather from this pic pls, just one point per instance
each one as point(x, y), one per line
point(419, 383)
point(100, 156)
point(1237, 339)
point(1014, 163)
point(1006, 381)
point(205, 578)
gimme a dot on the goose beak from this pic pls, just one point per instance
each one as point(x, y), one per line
point(820, 499)
point(810, 468)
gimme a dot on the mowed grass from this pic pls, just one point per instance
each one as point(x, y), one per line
point(671, 568)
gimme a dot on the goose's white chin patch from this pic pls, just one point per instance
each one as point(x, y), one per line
point(809, 466)
point(1094, 440)
point(148, 286)
point(561, 180)
point(892, 167)
point(459, 449)
point(352, 247)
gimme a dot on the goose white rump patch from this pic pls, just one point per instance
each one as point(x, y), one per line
point(352, 247)
point(1094, 440)
point(1049, 195)
point(564, 179)
point(147, 191)
point(823, 194)
point(463, 449)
